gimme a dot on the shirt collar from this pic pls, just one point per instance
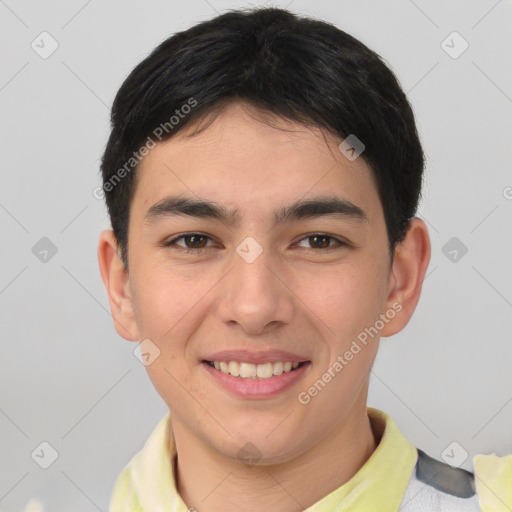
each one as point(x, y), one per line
point(148, 481)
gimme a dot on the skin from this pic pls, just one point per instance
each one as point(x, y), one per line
point(292, 297)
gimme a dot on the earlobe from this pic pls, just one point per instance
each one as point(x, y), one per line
point(410, 264)
point(116, 280)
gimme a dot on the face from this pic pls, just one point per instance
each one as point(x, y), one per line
point(248, 284)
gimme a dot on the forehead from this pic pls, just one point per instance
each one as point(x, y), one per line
point(254, 165)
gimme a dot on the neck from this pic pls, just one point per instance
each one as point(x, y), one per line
point(210, 482)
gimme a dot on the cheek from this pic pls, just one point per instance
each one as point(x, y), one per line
point(170, 307)
point(350, 301)
point(164, 297)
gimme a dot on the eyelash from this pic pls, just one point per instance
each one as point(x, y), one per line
point(171, 243)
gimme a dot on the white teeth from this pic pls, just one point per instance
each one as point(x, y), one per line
point(264, 371)
point(253, 371)
point(278, 368)
point(234, 368)
point(248, 370)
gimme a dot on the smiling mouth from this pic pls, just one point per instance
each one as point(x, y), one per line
point(244, 370)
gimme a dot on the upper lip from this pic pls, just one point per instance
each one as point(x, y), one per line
point(255, 357)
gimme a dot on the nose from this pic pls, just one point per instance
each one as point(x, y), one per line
point(255, 295)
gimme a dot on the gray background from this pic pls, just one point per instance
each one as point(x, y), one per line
point(66, 376)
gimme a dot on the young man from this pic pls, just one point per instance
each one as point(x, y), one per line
point(262, 177)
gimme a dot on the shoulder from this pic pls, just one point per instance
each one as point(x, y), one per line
point(437, 486)
point(493, 480)
point(124, 497)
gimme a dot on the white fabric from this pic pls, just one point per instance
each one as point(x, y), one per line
point(421, 497)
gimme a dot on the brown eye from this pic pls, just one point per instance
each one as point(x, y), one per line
point(196, 241)
point(322, 241)
point(191, 241)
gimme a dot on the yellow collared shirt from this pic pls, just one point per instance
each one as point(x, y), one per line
point(397, 477)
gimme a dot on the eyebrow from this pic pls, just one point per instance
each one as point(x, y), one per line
point(175, 206)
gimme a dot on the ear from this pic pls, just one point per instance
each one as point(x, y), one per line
point(409, 267)
point(116, 280)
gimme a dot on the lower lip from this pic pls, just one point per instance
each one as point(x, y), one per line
point(257, 388)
